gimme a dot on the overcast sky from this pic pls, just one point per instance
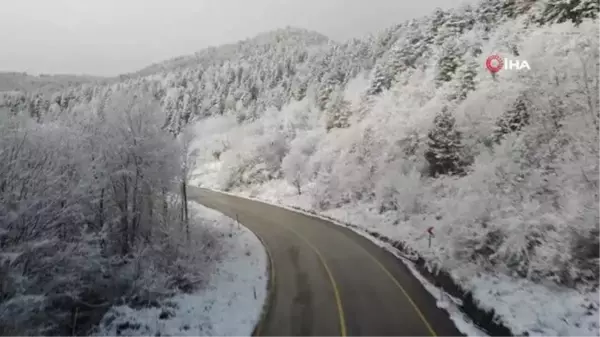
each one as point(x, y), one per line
point(108, 37)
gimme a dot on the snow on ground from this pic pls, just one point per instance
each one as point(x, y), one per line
point(448, 303)
point(206, 175)
point(231, 303)
point(523, 306)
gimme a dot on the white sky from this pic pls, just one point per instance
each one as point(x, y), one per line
point(108, 37)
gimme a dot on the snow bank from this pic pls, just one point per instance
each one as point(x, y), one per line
point(230, 304)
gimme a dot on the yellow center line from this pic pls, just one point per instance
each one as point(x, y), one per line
point(335, 288)
point(410, 300)
point(331, 279)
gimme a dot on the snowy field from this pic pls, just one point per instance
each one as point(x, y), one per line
point(229, 305)
point(523, 306)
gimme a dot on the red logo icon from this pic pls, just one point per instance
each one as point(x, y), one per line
point(494, 63)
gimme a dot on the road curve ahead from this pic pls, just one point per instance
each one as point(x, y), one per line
point(330, 281)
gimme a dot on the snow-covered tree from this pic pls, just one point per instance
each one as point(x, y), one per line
point(587, 9)
point(444, 146)
point(448, 64)
point(337, 111)
point(295, 165)
point(465, 76)
point(382, 80)
point(83, 195)
point(559, 11)
point(514, 119)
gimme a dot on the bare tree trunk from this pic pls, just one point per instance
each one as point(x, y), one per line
point(149, 195)
point(123, 204)
point(137, 206)
point(184, 209)
point(165, 204)
point(100, 214)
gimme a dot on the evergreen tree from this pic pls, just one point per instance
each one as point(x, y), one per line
point(338, 111)
point(454, 24)
point(466, 76)
point(173, 108)
point(513, 8)
point(398, 60)
point(443, 154)
point(587, 9)
point(331, 80)
point(509, 9)
point(559, 11)
point(403, 54)
point(512, 120)
point(190, 106)
point(447, 65)
point(489, 12)
point(382, 80)
point(298, 90)
point(436, 20)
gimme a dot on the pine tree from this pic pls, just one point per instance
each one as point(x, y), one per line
point(509, 9)
point(403, 54)
point(338, 111)
point(443, 154)
point(447, 65)
point(466, 76)
point(559, 11)
point(454, 24)
point(190, 106)
point(436, 20)
point(298, 88)
point(513, 8)
point(382, 80)
point(173, 108)
point(488, 12)
point(398, 60)
point(587, 9)
point(512, 120)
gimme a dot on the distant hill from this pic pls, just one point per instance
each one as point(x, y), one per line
point(235, 51)
point(15, 81)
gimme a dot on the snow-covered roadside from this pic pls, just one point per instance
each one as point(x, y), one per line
point(281, 194)
point(523, 306)
point(230, 304)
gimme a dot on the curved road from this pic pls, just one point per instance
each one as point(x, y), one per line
point(330, 281)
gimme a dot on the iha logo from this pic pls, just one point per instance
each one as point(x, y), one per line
point(495, 63)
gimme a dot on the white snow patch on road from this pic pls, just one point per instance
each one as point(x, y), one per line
point(231, 303)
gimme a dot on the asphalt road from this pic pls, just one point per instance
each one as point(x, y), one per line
point(330, 281)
